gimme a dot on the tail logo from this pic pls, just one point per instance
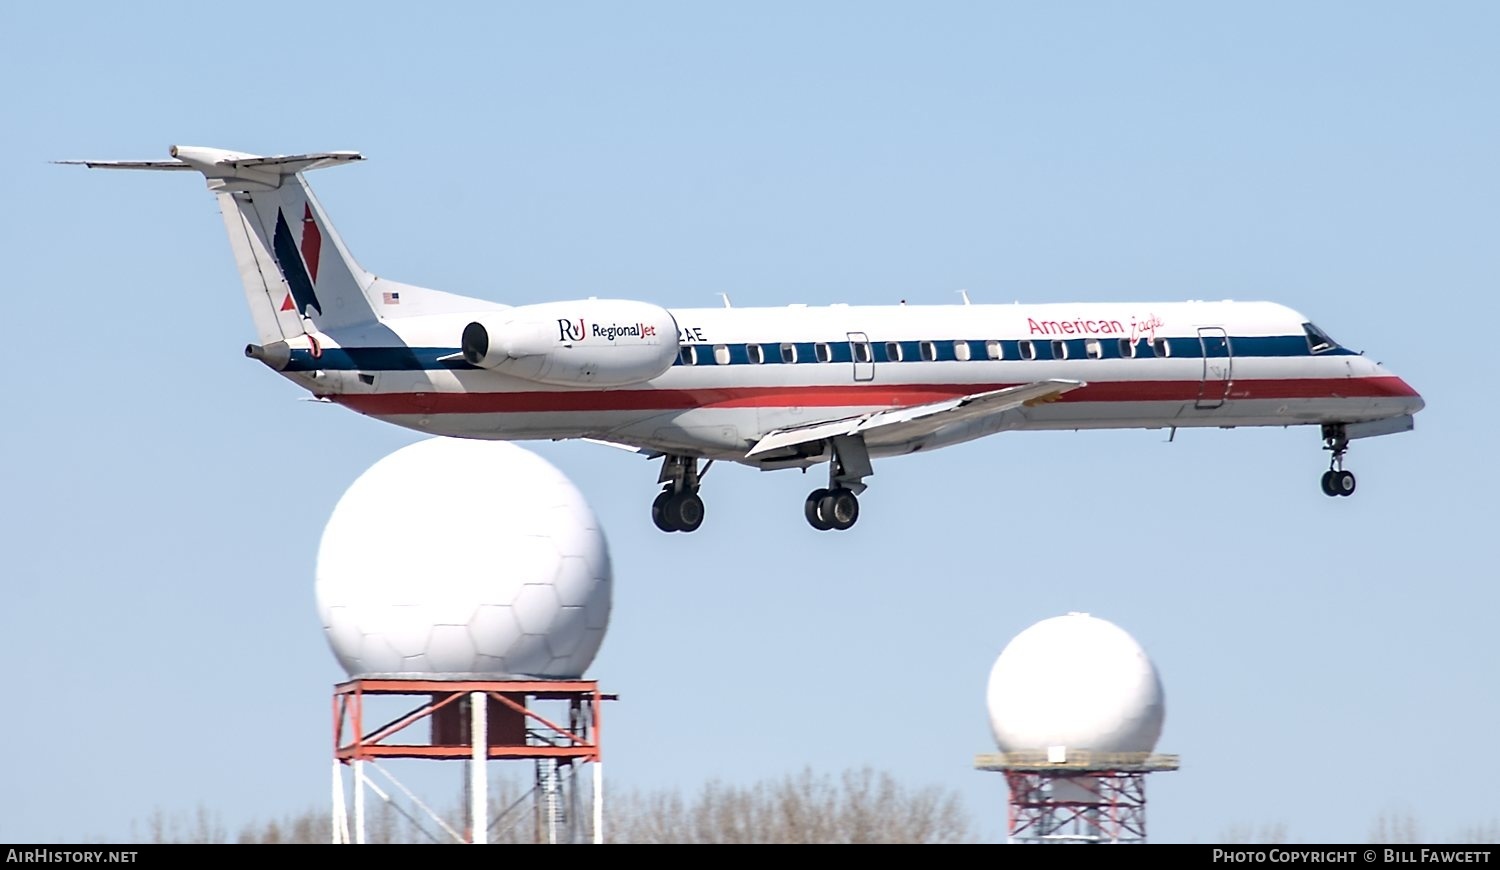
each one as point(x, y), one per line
point(300, 268)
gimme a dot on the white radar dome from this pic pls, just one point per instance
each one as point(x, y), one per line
point(1077, 682)
point(463, 558)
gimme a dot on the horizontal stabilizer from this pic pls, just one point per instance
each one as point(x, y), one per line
point(231, 170)
point(126, 164)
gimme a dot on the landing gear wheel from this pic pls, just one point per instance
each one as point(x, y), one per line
point(811, 510)
point(839, 509)
point(659, 512)
point(1337, 481)
point(684, 511)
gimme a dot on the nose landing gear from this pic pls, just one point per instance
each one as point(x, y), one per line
point(1337, 480)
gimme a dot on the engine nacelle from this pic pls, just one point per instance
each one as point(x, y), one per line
point(594, 342)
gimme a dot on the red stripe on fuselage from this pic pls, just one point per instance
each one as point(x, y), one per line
point(851, 395)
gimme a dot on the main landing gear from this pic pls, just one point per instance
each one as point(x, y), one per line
point(1337, 480)
point(678, 508)
point(837, 506)
point(831, 509)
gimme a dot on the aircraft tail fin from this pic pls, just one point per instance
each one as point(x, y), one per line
point(298, 275)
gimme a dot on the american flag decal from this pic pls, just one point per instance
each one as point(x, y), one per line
point(390, 298)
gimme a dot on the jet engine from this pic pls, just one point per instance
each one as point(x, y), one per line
point(595, 342)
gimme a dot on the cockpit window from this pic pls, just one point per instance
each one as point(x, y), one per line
point(1318, 340)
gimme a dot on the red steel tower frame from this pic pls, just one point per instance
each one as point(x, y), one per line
point(470, 720)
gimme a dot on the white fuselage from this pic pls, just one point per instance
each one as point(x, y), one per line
point(745, 372)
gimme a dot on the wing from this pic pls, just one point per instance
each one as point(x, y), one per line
point(643, 451)
point(896, 425)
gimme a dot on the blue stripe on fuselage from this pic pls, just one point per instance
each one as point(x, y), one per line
point(383, 359)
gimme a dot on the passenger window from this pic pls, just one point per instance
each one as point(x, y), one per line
point(721, 354)
point(1091, 348)
point(687, 355)
point(992, 349)
point(788, 353)
point(861, 351)
point(824, 352)
point(1059, 350)
point(929, 351)
point(1027, 348)
point(961, 350)
point(1159, 347)
point(1127, 348)
point(893, 351)
point(754, 353)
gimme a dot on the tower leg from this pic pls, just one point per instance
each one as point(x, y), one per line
point(359, 802)
point(339, 820)
point(479, 808)
point(598, 800)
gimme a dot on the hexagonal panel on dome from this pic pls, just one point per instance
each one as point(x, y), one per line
point(342, 628)
point(583, 656)
point(528, 655)
point(529, 559)
point(494, 629)
point(575, 581)
point(567, 631)
point(598, 608)
point(374, 655)
point(408, 634)
point(450, 649)
point(536, 607)
point(569, 516)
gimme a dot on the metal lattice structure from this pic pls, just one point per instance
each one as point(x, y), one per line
point(553, 723)
point(1076, 797)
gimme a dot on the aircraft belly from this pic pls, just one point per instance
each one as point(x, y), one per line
point(1233, 413)
point(726, 432)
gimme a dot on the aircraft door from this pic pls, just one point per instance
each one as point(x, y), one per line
point(863, 356)
point(1218, 368)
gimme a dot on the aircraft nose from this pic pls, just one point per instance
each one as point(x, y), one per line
point(1415, 402)
point(1401, 389)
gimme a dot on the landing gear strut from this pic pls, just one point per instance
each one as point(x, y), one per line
point(678, 508)
point(837, 506)
point(1337, 480)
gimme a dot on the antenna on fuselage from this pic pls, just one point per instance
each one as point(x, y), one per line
point(965, 295)
point(726, 300)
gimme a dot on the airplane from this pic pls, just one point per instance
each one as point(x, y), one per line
point(766, 387)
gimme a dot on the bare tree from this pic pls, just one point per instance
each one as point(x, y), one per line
point(203, 827)
point(1270, 834)
point(1396, 829)
point(861, 806)
point(858, 806)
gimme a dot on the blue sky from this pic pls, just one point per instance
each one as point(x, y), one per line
point(1325, 660)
